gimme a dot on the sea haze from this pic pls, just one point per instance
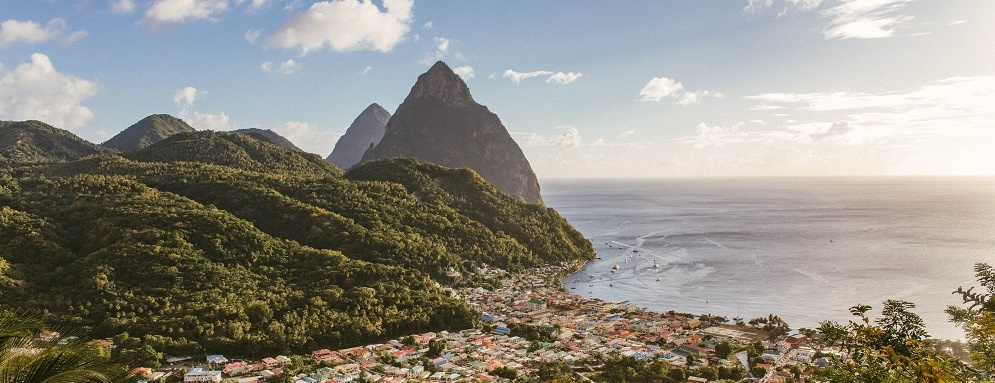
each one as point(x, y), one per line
point(806, 249)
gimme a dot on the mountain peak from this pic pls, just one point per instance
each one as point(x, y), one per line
point(366, 131)
point(146, 132)
point(440, 123)
point(441, 83)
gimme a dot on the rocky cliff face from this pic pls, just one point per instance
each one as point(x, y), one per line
point(439, 122)
point(365, 132)
point(146, 132)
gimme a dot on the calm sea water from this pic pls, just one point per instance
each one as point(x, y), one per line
point(806, 249)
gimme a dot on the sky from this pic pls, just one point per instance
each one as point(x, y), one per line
point(683, 88)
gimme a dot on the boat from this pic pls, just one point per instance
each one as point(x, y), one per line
point(655, 265)
point(658, 279)
point(590, 275)
point(615, 267)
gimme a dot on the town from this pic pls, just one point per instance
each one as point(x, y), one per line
point(528, 322)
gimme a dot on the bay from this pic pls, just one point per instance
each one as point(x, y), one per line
point(805, 249)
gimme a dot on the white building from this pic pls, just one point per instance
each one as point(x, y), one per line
point(199, 375)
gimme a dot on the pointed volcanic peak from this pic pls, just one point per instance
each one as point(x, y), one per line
point(439, 122)
point(146, 132)
point(35, 141)
point(365, 132)
point(269, 136)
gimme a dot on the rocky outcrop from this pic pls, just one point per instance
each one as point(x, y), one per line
point(365, 132)
point(439, 122)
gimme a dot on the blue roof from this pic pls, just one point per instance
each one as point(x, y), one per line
point(488, 318)
point(502, 330)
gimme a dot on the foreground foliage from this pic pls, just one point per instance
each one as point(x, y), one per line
point(893, 348)
point(23, 361)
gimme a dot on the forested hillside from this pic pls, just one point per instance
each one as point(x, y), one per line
point(220, 242)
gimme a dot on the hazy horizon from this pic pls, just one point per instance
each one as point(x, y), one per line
point(647, 90)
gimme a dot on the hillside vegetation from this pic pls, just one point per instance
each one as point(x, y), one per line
point(221, 242)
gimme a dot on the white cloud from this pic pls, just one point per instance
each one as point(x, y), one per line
point(660, 87)
point(720, 136)
point(441, 48)
point(694, 97)
point(29, 32)
point(465, 72)
point(75, 36)
point(563, 78)
point(950, 109)
point(865, 19)
point(36, 90)
point(517, 77)
point(754, 6)
point(569, 139)
point(627, 133)
point(554, 78)
point(367, 70)
point(286, 67)
point(346, 25)
point(307, 137)
point(123, 6)
point(428, 25)
point(207, 121)
point(442, 45)
point(838, 128)
point(254, 4)
point(186, 96)
point(861, 19)
point(252, 35)
point(165, 12)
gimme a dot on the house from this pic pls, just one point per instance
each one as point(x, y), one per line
point(236, 368)
point(216, 360)
point(271, 362)
point(691, 323)
point(797, 339)
point(199, 375)
point(325, 355)
point(350, 368)
point(284, 361)
point(695, 379)
point(691, 349)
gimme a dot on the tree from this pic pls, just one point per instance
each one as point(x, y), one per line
point(552, 370)
point(505, 372)
point(723, 349)
point(978, 319)
point(71, 362)
point(892, 350)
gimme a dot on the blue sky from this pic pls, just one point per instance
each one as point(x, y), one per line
point(588, 89)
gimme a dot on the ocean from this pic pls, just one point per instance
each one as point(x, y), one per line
point(806, 249)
